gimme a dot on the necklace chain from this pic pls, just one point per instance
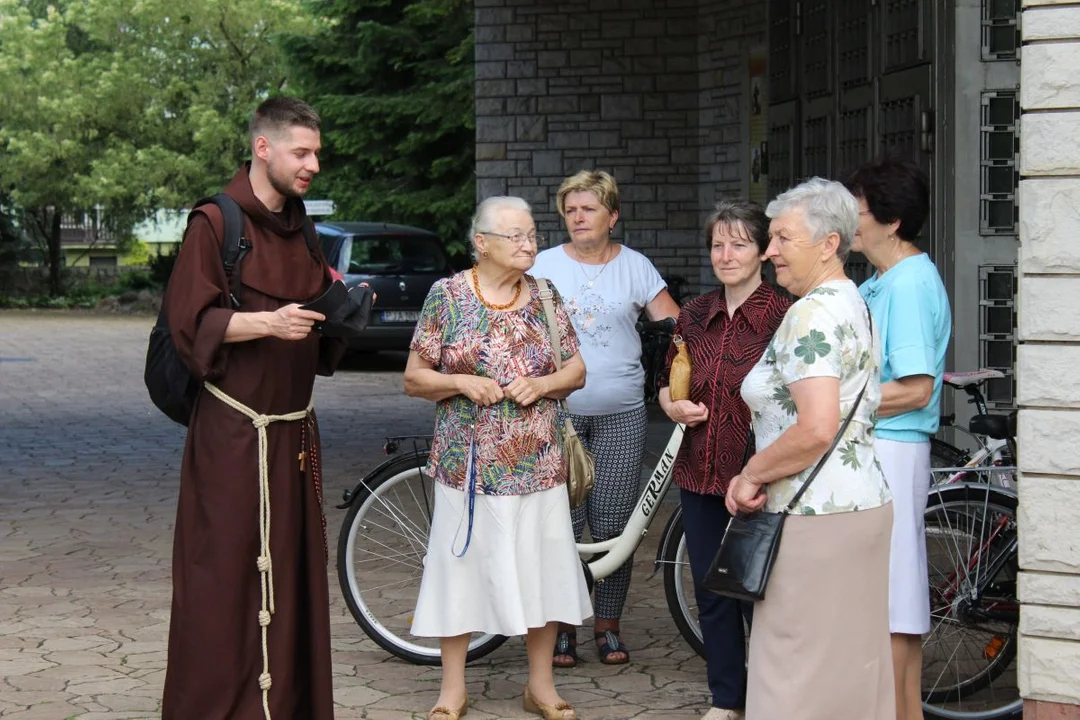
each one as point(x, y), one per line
point(593, 279)
point(491, 305)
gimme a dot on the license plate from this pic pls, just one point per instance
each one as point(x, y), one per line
point(400, 316)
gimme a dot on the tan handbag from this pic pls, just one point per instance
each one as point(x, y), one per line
point(580, 463)
point(679, 377)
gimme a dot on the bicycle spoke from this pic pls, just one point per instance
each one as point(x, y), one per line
point(417, 545)
point(394, 556)
point(419, 535)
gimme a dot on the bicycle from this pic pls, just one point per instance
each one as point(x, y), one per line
point(972, 559)
point(387, 524)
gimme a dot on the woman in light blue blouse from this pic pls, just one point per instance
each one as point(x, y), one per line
point(911, 309)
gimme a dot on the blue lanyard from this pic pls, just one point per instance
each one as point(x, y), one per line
point(471, 479)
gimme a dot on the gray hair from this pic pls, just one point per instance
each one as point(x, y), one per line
point(828, 207)
point(484, 217)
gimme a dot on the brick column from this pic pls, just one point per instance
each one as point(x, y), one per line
point(1048, 361)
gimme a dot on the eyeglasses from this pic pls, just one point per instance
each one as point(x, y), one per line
point(521, 239)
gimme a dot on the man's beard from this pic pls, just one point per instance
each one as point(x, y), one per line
point(282, 186)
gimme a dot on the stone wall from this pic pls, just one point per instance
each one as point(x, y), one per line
point(653, 91)
point(1048, 387)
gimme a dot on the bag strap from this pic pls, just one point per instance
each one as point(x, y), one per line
point(839, 433)
point(311, 238)
point(547, 299)
point(234, 245)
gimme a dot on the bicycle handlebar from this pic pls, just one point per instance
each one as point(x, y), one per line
point(666, 326)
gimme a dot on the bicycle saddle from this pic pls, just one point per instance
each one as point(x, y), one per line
point(999, 427)
point(964, 379)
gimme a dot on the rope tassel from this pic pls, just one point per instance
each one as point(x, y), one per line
point(264, 562)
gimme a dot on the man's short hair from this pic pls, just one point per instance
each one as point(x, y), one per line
point(276, 115)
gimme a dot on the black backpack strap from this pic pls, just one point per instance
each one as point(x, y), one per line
point(311, 238)
point(234, 245)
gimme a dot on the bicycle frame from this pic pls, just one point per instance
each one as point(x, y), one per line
point(617, 550)
point(979, 462)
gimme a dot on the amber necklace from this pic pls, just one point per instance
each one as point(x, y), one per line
point(494, 306)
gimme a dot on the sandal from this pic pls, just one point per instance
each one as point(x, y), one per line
point(560, 711)
point(607, 644)
point(441, 712)
point(565, 646)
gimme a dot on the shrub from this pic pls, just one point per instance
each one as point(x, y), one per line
point(161, 267)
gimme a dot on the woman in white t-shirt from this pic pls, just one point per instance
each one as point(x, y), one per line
point(605, 286)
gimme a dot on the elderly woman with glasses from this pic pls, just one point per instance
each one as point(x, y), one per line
point(820, 643)
point(501, 557)
point(606, 286)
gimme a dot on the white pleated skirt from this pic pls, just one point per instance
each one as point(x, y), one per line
point(521, 570)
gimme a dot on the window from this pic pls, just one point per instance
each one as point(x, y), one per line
point(391, 254)
point(1000, 33)
point(997, 330)
point(998, 176)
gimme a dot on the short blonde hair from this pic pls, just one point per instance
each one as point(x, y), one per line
point(597, 182)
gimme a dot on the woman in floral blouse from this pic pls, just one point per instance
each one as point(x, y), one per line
point(820, 645)
point(725, 331)
point(501, 556)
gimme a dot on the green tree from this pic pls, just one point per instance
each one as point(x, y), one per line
point(132, 107)
point(393, 81)
point(11, 238)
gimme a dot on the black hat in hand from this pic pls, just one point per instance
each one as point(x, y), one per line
point(347, 311)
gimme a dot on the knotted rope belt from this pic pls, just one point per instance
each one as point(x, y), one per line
point(264, 561)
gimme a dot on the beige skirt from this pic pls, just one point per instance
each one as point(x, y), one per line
point(819, 645)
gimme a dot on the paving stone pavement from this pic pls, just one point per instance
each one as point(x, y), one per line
point(89, 473)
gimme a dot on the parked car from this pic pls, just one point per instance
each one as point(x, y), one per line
point(399, 262)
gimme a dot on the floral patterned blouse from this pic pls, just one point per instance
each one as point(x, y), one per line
point(518, 449)
point(824, 334)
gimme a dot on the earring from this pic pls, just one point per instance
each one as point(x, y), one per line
point(485, 253)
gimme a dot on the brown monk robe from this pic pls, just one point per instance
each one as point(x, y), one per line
point(215, 646)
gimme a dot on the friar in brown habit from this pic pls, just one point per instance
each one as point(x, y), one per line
point(250, 632)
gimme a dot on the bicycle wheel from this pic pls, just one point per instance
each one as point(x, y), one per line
point(969, 671)
point(386, 533)
point(679, 583)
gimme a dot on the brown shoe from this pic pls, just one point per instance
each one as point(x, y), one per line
point(561, 711)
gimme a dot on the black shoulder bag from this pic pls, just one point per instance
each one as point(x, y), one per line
point(747, 553)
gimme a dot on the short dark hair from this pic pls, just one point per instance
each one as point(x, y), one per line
point(730, 214)
point(277, 114)
point(893, 190)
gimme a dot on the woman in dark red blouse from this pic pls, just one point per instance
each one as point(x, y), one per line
point(726, 332)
